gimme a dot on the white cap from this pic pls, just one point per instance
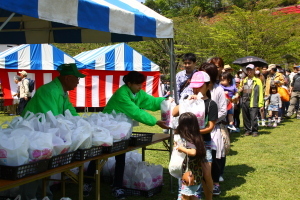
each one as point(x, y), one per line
point(251, 66)
point(24, 73)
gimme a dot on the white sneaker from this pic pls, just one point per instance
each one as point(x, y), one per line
point(263, 123)
point(231, 127)
point(221, 179)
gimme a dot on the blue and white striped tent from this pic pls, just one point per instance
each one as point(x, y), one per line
point(80, 21)
point(119, 57)
point(35, 57)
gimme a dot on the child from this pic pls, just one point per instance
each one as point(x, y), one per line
point(188, 129)
point(274, 105)
point(230, 89)
point(200, 83)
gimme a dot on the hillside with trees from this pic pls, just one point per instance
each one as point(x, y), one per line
point(227, 28)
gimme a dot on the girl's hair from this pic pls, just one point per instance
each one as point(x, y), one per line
point(273, 87)
point(228, 76)
point(134, 77)
point(211, 69)
point(217, 61)
point(188, 129)
point(208, 94)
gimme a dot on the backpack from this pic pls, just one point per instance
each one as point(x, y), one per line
point(297, 81)
point(31, 84)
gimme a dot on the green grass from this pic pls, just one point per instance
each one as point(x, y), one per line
point(259, 168)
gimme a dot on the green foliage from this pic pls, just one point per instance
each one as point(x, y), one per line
point(230, 35)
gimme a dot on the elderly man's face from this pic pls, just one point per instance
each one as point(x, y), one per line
point(250, 72)
point(71, 82)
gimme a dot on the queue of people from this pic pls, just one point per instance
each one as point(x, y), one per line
point(260, 93)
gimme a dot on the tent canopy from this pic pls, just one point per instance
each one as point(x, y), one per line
point(119, 57)
point(35, 57)
point(80, 21)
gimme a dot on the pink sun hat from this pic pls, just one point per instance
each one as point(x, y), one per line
point(198, 79)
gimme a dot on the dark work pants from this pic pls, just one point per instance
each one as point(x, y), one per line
point(22, 105)
point(236, 116)
point(216, 167)
point(250, 117)
point(223, 163)
point(119, 171)
point(90, 172)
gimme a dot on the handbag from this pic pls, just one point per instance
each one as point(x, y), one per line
point(188, 177)
point(226, 138)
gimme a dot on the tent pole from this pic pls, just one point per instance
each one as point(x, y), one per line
point(172, 69)
point(7, 20)
point(173, 93)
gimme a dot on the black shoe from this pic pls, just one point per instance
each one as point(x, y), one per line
point(247, 134)
point(119, 193)
point(254, 134)
point(87, 188)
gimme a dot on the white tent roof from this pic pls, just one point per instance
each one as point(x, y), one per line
point(80, 21)
point(119, 57)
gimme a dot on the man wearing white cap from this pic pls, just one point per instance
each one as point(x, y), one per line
point(25, 95)
point(252, 100)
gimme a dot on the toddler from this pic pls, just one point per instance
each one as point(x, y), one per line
point(231, 91)
point(274, 105)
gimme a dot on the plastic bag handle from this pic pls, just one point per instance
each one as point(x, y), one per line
point(28, 115)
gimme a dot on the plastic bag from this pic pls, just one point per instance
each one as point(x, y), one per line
point(109, 167)
point(61, 144)
point(101, 136)
point(14, 150)
point(83, 134)
point(177, 158)
point(142, 179)
point(166, 113)
point(195, 106)
point(156, 172)
point(40, 146)
point(119, 130)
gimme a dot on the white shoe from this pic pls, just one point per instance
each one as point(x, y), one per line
point(263, 123)
point(231, 127)
point(221, 179)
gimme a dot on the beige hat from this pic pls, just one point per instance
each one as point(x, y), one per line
point(227, 67)
point(24, 73)
point(271, 66)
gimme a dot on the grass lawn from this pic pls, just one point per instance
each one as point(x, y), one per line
point(259, 168)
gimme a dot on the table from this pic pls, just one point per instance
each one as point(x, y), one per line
point(100, 161)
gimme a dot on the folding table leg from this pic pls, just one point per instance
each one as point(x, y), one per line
point(99, 165)
point(63, 184)
point(44, 187)
point(80, 182)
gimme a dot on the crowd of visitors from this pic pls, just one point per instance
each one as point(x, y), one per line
point(265, 95)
